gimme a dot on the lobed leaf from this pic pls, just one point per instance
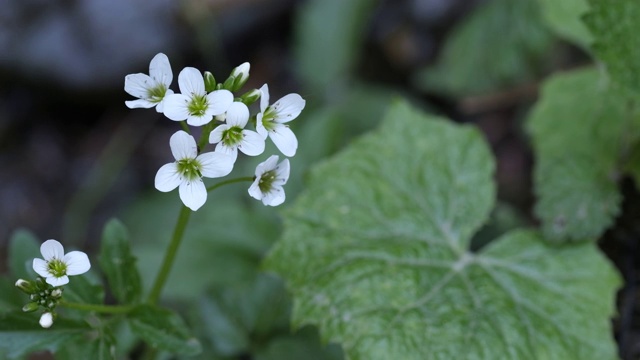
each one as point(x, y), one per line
point(23, 248)
point(118, 264)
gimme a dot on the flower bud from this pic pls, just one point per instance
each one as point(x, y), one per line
point(228, 84)
point(30, 307)
point(209, 82)
point(241, 75)
point(46, 320)
point(26, 286)
point(250, 97)
point(56, 293)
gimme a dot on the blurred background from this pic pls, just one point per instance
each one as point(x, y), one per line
point(73, 156)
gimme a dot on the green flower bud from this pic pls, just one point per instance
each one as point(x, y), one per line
point(228, 84)
point(30, 307)
point(241, 75)
point(209, 82)
point(26, 286)
point(250, 96)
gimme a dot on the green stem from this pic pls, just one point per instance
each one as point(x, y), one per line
point(170, 255)
point(206, 130)
point(105, 309)
point(230, 181)
point(185, 127)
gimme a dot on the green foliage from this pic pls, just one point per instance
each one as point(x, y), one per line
point(118, 265)
point(615, 27)
point(565, 18)
point(163, 329)
point(329, 33)
point(23, 248)
point(501, 44)
point(98, 344)
point(376, 254)
point(580, 128)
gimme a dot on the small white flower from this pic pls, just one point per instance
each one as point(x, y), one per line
point(270, 177)
point(152, 89)
point(46, 320)
point(57, 265)
point(189, 168)
point(194, 104)
point(272, 118)
point(232, 136)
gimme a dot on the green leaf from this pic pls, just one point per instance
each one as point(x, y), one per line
point(330, 34)
point(565, 18)
point(615, 27)
point(503, 43)
point(23, 248)
point(163, 329)
point(376, 254)
point(304, 344)
point(11, 298)
point(580, 128)
point(98, 344)
point(21, 334)
point(118, 265)
point(83, 290)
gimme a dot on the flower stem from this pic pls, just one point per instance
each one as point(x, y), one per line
point(105, 309)
point(185, 127)
point(170, 255)
point(230, 181)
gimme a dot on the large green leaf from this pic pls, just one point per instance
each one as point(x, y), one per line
point(615, 27)
point(118, 264)
point(501, 44)
point(163, 329)
point(565, 18)
point(376, 254)
point(23, 248)
point(580, 127)
point(98, 344)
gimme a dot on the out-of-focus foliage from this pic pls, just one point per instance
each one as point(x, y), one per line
point(376, 254)
point(501, 44)
point(565, 19)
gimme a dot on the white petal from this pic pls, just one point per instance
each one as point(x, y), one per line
point(160, 70)
point(254, 190)
point(77, 263)
point(227, 150)
point(219, 101)
point(215, 164)
point(238, 114)
point(199, 120)
point(160, 107)
point(138, 85)
point(140, 103)
point(274, 197)
point(41, 267)
point(241, 70)
point(262, 131)
point(168, 178)
point(183, 146)
point(191, 82)
point(193, 194)
point(264, 97)
point(51, 249)
point(176, 106)
point(216, 135)
point(282, 172)
point(284, 139)
point(58, 281)
point(46, 320)
point(288, 108)
point(252, 143)
point(267, 165)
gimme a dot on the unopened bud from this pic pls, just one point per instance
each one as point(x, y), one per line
point(26, 286)
point(228, 84)
point(30, 307)
point(56, 293)
point(241, 75)
point(46, 320)
point(250, 96)
point(209, 82)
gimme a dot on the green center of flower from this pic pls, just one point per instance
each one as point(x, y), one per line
point(268, 117)
point(57, 268)
point(266, 181)
point(189, 168)
point(198, 105)
point(232, 136)
point(156, 94)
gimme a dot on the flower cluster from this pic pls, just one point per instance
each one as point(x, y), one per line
point(223, 118)
point(54, 271)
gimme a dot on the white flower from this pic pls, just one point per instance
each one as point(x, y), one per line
point(152, 89)
point(57, 265)
point(46, 320)
point(270, 177)
point(271, 120)
point(189, 168)
point(194, 104)
point(232, 136)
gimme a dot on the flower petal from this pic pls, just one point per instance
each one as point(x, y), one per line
point(215, 164)
point(191, 82)
point(168, 178)
point(41, 267)
point(77, 263)
point(199, 120)
point(274, 197)
point(160, 107)
point(193, 194)
point(46, 320)
point(138, 85)
point(58, 281)
point(282, 173)
point(260, 127)
point(284, 139)
point(176, 106)
point(51, 249)
point(219, 101)
point(264, 97)
point(254, 190)
point(266, 165)
point(183, 146)
point(227, 150)
point(215, 136)
point(140, 103)
point(288, 108)
point(252, 143)
point(238, 114)
point(160, 69)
